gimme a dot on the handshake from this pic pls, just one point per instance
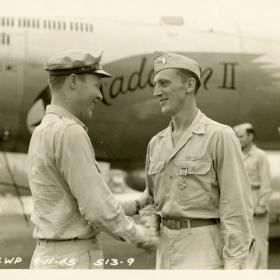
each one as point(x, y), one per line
point(147, 233)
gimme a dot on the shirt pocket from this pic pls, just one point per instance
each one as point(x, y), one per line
point(155, 171)
point(47, 196)
point(251, 168)
point(193, 181)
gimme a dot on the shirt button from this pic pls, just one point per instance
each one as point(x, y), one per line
point(170, 177)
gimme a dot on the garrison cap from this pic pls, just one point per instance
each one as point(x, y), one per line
point(243, 127)
point(177, 61)
point(75, 62)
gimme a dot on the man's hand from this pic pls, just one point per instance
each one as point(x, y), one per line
point(233, 265)
point(151, 221)
point(145, 238)
point(129, 207)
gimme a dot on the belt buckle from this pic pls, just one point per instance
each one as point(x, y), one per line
point(170, 223)
point(173, 224)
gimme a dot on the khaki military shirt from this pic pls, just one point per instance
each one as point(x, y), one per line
point(71, 198)
point(257, 167)
point(203, 177)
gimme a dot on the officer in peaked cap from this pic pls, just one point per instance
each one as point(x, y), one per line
point(72, 202)
point(75, 61)
point(257, 166)
point(197, 189)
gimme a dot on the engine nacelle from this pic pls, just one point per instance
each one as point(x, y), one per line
point(136, 179)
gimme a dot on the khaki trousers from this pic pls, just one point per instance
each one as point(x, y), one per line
point(195, 248)
point(72, 254)
point(258, 257)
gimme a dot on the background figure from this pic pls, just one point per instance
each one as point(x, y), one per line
point(257, 166)
point(197, 191)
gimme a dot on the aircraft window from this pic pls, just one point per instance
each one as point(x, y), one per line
point(24, 22)
point(28, 22)
point(8, 21)
point(49, 24)
point(12, 22)
point(37, 23)
point(4, 39)
point(3, 22)
point(54, 25)
point(79, 26)
point(59, 25)
point(19, 22)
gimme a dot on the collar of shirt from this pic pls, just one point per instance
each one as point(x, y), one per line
point(53, 109)
point(251, 152)
point(197, 126)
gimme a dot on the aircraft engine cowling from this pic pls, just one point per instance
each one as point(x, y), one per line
point(136, 179)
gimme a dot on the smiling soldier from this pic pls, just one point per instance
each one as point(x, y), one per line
point(72, 202)
point(195, 178)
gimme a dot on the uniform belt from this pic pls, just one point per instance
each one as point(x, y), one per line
point(178, 223)
point(61, 240)
point(253, 188)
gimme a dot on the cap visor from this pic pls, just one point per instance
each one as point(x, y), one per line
point(103, 73)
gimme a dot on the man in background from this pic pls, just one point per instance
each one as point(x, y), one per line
point(257, 166)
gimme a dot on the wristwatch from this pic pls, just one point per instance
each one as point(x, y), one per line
point(138, 206)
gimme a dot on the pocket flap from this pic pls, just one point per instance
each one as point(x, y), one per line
point(156, 167)
point(200, 167)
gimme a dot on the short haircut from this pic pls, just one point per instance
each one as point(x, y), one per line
point(251, 131)
point(186, 74)
point(56, 82)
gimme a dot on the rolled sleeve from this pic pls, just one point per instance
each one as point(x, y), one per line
point(94, 198)
point(235, 199)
